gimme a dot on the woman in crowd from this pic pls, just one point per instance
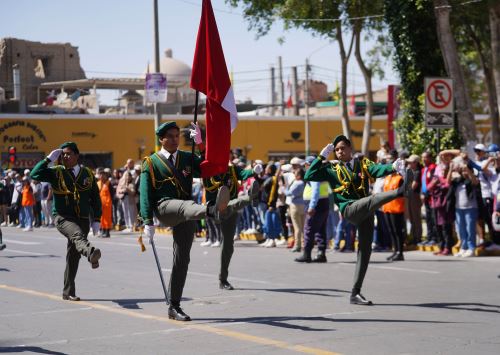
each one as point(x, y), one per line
point(126, 192)
point(106, 194)
point(27, 203)
point(464, 186)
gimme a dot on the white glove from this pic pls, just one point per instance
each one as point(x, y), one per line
point(95, 228)
point(257, 169)
point(195, 133)
point(54, 155)
point(149, 231)
point(399, 166)
point(327, 150)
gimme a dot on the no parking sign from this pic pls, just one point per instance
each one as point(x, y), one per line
point(439, 103)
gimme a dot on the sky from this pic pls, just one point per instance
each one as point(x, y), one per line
point(115, 38)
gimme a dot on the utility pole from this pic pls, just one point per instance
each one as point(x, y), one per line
point(273, 92)
point(282, 87)
point(306, 99)
point(157, 68)
point(295, 91)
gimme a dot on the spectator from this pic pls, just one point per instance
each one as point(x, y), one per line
point(4, 201)
point(394, 212)
point(492, 171)
point(46, 192)
point(426, 176)
point(272, 222)
point(27, 203)
point(17, 197)
point(464, 184)
point(118, 216)
point(414, 203)
point(442, 204)
point(126, 192)
point(105, 193)
point(37, 207)
point(297, 208)
point(486, 201)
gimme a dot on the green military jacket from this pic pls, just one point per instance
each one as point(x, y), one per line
point(73, 197)
point(159, 183)
point(230, 179)
point(347, 186)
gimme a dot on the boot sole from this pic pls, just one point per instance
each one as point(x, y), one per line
point(222, 199)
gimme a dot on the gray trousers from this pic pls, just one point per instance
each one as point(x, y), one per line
point(361, 213)
point(75, 230)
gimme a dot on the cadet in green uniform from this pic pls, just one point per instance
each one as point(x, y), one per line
point(349, 179)
point(165, 190)
point(76, 199)
point(229, 219)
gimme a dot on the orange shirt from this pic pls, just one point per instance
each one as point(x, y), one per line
point(392, 182)
point(28, 199)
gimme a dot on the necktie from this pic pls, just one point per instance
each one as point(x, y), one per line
point(72, 172)
point(348, 164)
point(171, 159)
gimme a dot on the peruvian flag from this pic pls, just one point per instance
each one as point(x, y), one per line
point(210, 77)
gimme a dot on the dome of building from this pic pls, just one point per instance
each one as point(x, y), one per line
point(174, 69)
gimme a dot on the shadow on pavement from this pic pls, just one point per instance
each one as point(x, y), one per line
point(133, 303)
point(30, 349)
point(456, 306)
point(327, 292)
point(4, 269)
point(285, 322)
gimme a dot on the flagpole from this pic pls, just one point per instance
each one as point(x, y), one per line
point(195, 120)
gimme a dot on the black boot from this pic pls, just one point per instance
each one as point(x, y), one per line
point(391, 257)
point(304, 258)
point(398, 257)
point(320, 257)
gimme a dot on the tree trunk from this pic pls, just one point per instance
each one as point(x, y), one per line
point(490, 84)
point(367, 76)
point(448, 47)
point(344, 57)
point(495, 53)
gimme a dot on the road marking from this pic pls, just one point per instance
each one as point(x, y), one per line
point(395, 268)
point(19, 242)
point(24, 252)
point(197, 326)
point(46, 312)
point(202, 274)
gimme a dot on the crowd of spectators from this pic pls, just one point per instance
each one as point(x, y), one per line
point(453, 202)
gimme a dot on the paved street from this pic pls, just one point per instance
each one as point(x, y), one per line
point(424, 305)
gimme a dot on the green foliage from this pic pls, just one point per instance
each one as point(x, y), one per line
point(416, 138)
point(412, 30)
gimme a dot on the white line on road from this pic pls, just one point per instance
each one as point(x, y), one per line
point(19, 242)
point(24, 252)
point(396, 268)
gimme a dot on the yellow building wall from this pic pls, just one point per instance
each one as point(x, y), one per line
point(133, 136)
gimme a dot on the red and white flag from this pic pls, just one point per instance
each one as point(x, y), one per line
point(210, 76)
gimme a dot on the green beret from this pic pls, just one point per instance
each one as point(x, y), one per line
point(341, 138)
point(165, 127)
point(70, 145)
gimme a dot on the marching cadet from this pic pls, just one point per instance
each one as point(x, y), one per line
point(349, 179)
point(165, 190)
point(76, 199)
point(230, 218)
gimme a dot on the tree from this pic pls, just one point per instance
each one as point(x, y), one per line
point(494, 12)
point(449, 50)
point(416, 54)
point(261, 14)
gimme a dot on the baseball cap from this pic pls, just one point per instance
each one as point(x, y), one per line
point(493, 148)
point(296, 161)
point(480, 147)
point(413, 158)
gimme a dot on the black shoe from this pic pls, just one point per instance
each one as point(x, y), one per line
point(405, 189)
point(224, 285)
point(253, 193)
point(3, 246)
point(177, 314)
point(295, 250)
point(320, 258)
point(359, 299)
point(70, 298)
point(305, 258)
point(391, 257)
point(94, 258)
point(398, 257)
